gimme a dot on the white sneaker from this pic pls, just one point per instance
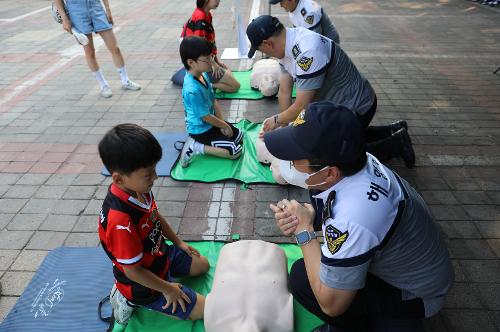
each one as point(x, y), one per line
point(106, 92)
point(80, 37)
point(187, 152)
point(121, 309)
point(131, 86)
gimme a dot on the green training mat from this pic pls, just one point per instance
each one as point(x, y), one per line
point(246, 168)
point(144, 320)
point(245, 91)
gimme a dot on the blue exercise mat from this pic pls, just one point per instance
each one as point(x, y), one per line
point(64, 294)
point(170, 153)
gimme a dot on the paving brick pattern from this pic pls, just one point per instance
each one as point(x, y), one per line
point(430, 62)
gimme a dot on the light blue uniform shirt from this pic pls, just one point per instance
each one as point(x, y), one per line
point(198, 102)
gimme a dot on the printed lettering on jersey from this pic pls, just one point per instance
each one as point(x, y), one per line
point(323, 39)
point(299, 119)
point(309, 19)
point(376, 170)
point(327, 208)
point(334, 238)
point(376, 191)
point(303, 12)
point(305, 63)
point(296, 51)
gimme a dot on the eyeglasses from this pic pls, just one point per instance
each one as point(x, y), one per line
point(206, 61)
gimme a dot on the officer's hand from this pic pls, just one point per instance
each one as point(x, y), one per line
point(285, 221)
point(304, 213)
point(269, 124)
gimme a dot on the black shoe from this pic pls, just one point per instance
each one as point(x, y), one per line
point(395, 126)
point(328, 328)
point(406, 149)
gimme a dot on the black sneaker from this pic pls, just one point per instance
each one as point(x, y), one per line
point(395, 126)
point(406, 152)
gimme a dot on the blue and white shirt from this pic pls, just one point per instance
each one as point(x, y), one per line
point(376, 222)
point(317, 63)
point(309, 14)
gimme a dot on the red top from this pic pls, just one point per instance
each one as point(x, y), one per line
point(131, 234)
point(200, 24)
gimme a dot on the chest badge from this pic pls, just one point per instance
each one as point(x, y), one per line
point(305, 63)
point(309, 19)
point(334, 238)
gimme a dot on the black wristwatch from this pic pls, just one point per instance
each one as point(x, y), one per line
point(304, 237)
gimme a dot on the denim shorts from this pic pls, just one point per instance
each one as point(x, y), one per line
point(87, 16)
point(180, 266)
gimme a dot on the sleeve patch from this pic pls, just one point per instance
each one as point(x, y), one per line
point(309, 19)
point(296, 51)
point(305, 63)
point(334, 238)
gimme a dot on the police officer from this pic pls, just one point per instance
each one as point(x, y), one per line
point(382, 255)
point(310, 15)
point(322, 71)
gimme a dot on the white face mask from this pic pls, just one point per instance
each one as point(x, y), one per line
point(295, 177)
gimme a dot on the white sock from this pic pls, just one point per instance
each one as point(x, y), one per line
point(123, 75)
point(198, 148)
point(100, 78)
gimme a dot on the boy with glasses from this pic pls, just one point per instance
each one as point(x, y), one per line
point(208, 132)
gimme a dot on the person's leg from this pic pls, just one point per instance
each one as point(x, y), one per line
point(183, 265)
point(227, 82)
point(94, 67)
point(109, 38)
point(378, 299)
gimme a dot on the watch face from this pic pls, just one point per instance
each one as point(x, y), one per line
point(302, 237)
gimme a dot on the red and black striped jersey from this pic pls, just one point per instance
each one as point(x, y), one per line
point(131, 234)
point(200, 24)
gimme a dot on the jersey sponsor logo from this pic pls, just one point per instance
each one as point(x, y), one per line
point(303, 11)
point(334, 238)
point(127, 228)
point(305, 63)
point(309, 19)
point(300, 119)
point(296, 51)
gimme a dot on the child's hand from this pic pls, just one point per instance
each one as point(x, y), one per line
point(227, 131)
point(110, 18)
point(67, 25)
point(175, 296)
point(188, 249)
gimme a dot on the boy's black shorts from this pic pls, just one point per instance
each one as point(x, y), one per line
point(215, 138)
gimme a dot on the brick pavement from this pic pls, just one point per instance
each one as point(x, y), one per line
point(431, 63)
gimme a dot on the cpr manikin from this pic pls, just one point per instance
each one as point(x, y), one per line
point(249, 291)
point(265, 77)
point(265, 157)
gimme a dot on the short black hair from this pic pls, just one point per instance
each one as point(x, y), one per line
point(192, 47)
point(128, 147)
point(347, 169)
point(201, 3)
